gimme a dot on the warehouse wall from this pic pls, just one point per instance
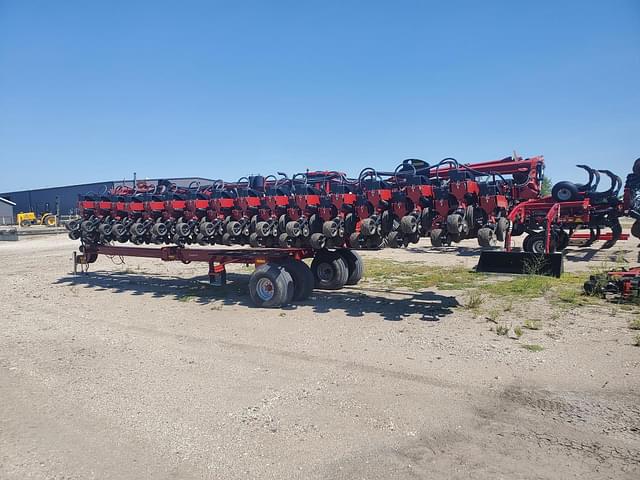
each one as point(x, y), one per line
point(6, 214)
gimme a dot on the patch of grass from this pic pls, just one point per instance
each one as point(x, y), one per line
point(474, 301)
point(517, 331)
point(502, 330)
point(417, 276)
point(493, 315)
point(634, 324)
point(186, 298)
point(532, 347)
point(532, 324)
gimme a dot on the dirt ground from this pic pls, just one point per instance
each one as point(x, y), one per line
point(126, 373)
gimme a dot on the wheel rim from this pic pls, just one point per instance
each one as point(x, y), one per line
point(265, 289)
point(564, 194)
point(325, 272)
point(538, 246)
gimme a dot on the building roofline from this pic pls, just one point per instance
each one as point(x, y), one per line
point(8, 202)
point(115, 182)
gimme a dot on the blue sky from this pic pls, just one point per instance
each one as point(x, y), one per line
point(92, 91)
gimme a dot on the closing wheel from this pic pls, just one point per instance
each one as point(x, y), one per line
point(436, 237)
point(502, 224)
point(271, 285)
point(330, 228)
point(355, 265)
point(303, 280)
point(457, 225)
point(317, 241)
point(354, 240)
point(294, 229)
point(233, 228)
point(329, 270)
point(368, 227)
point(409, 224)
point(486, 237)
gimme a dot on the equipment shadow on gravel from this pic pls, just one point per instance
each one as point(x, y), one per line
point(355, 301)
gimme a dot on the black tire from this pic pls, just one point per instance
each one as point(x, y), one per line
point(534, 243)
point(271, 286)
point(635, 229)
point(317, 241)
point(330, 271)
point(303, 279)
point(502, 224)
point(283, 240)
point(330, 229)
point(234, 228)
point(409, 224)
point(355, 265)
point(436, 237)
point(486, 238)
point(293, 229)
point(25, 223)
point(564, 192)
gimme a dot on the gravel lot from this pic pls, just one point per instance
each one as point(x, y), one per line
point(133, 372)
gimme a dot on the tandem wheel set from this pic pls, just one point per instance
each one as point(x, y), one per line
point(280, 278)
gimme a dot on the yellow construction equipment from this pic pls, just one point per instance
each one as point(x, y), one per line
point(26, 219)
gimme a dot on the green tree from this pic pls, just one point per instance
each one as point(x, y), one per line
point(546, 186)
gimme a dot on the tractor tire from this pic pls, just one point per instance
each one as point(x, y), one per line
point(355, 265)
point(486, 238)
point(502, 224)
point(436, 237)
point(635, 229)
point(271, 286)
point(564, 192)
point(409, 224)
point(330, 271)
point(49, 220)
point(534, 243)
point(303, 280)
point(25, 223)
